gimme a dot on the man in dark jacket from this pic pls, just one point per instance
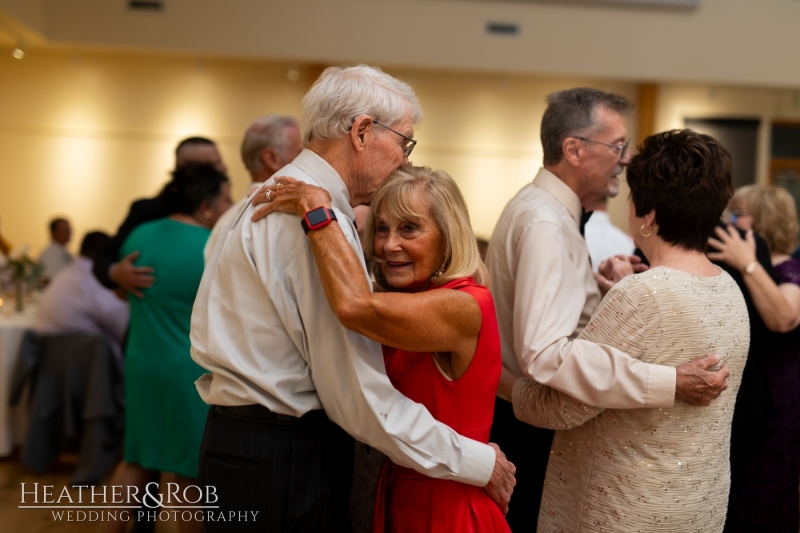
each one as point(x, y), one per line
point(115, 272)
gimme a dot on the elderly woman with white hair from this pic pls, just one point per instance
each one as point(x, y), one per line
point(435, 320)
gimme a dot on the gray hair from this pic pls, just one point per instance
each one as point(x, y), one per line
point(572, 112)
point(266, 132)
point(342, 94)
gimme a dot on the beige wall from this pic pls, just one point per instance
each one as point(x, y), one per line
point(83, 134)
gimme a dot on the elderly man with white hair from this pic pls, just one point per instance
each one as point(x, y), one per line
point(270, 143)
point(286, 377)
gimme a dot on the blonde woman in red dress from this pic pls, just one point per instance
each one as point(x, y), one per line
point(436, 322)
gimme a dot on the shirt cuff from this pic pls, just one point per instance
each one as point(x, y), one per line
point(661, 382)
point(479, 463)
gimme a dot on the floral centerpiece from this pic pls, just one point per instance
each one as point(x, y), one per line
point(24, 271)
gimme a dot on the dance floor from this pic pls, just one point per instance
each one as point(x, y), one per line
point(13, 473)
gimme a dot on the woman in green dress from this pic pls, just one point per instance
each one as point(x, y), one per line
point(165, 416)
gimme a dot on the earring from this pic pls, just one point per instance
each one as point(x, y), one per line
point(206, 215)
point(650, 230)
point(439, 272)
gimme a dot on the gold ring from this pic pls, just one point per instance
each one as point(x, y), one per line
point(279, 186)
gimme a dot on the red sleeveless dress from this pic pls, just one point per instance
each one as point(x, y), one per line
point(407, 501)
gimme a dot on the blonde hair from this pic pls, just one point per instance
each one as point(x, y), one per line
point(774, 215)
point(447, 209)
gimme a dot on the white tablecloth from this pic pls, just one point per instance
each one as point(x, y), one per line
point(12, 328)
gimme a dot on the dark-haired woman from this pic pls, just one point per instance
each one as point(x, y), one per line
point(653, 469)
point(164, 417)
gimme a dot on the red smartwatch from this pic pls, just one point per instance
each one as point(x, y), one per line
point(317, 218)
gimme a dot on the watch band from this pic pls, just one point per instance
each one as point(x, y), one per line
point(317, 218)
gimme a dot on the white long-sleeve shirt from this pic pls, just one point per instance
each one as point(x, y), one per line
point(53, 259)
point(262, 326)
point(605, 240)
point(226, 221)
point(545, 294)
point(76, 302)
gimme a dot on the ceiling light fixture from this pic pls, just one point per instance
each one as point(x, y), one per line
point(19, 49)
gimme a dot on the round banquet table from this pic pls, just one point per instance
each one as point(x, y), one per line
point(12, 327)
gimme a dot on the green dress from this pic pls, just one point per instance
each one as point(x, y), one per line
point(164, 415)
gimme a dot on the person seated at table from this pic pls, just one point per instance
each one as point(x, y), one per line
point(76, 302)
point(56, 256)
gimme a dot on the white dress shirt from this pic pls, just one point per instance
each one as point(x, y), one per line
point(76, 302)
point(53, 259)
point(263, 327)
point(227, 220)
point(604, 239)
point(545, 294)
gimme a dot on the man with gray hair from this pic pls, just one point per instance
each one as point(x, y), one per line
point(270, 143)
point(545, 293)
point(284, 371)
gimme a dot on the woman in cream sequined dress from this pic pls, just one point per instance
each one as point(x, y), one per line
point(648, 470)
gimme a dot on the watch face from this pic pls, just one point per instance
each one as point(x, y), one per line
point(317, 216)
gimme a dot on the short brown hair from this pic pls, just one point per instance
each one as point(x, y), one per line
point(448, 210)
point(774, 215)
point(685, 177)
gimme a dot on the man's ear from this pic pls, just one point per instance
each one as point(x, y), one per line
point(572, 151)
point(360, 132)
point(270, 159)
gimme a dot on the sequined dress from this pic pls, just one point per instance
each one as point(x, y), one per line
point(646, 469)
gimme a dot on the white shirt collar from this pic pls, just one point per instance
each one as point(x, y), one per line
point(561, 191)
point(327, 177)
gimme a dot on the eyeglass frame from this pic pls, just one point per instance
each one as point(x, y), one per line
point(623, 148)
point(736, 214)
point(407, 149)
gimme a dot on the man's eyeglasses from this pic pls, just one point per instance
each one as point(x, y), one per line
point(623, 148)
point(408, 146)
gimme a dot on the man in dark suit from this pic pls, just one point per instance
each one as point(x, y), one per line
point(114, 272)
